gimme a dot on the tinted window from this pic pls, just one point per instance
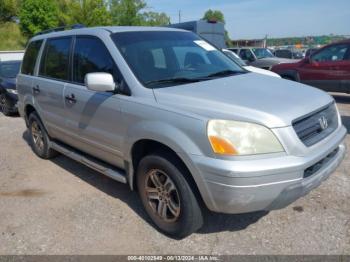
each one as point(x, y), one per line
point(30, 57)
point(9, 69)
point(55, 61)
point(331, 53)
point(91, 56)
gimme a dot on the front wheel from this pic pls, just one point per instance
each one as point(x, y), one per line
point(167, 196)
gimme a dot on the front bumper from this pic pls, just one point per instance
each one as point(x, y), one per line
point(266, 184)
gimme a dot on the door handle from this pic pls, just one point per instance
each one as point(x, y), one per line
point(71, 98)
point(36, 89)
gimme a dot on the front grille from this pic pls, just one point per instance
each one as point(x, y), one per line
point(315, 127)
point(314, 168)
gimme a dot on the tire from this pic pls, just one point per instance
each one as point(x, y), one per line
point(4, 105)
point(39, 138)
point(172, 192)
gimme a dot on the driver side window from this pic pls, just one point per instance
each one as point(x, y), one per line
point(331, 54)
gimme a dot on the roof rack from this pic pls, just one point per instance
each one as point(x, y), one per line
point(61, 28)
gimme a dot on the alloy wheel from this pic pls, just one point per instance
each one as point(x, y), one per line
point(162, 195)
point(38, 136)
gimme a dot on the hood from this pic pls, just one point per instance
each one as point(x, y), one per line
point(251, 97)
point(8, 83)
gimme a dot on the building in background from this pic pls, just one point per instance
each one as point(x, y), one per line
point(212, 31)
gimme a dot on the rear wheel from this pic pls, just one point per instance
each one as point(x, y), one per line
point(4, 105)
point(39, 138)
point(167, 196)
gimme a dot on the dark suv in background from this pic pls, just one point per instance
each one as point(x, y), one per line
point(327, 68)
point(8, 92)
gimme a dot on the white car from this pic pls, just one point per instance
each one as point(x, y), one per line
point(254, 69)
point(11, 55)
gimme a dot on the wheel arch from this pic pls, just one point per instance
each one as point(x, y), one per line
point(144, 147)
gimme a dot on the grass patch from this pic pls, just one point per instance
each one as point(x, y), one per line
point(11, 37)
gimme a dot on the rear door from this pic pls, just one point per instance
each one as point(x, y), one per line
point(26, 76)
point(326, 68)
point(48, 86)
point(93, 119)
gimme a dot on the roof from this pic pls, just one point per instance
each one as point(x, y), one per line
point(110, 29)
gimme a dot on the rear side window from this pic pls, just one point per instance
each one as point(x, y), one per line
point(30, 57)
point(91, 56)
point(55, 59)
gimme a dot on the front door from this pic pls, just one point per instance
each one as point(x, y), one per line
point(93, 119)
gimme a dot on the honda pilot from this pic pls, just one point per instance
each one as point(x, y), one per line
point(165, 112)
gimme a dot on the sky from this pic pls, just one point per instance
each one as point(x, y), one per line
point(248, 19)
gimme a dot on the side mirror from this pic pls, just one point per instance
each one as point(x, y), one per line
point(100, 82)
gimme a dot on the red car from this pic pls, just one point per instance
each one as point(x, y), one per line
point(327, 68)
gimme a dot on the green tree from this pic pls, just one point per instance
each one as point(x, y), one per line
point(155, 19)
point(8, 10)
point(38, 15)
point(87, 12)
point(215, 15)
point(127, 12)
point(130, 12)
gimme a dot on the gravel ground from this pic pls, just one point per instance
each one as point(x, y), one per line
point(62, 207)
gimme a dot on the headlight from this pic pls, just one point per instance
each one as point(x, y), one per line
point(241, 138)
point(12, 91)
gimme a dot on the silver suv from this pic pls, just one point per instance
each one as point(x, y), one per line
point(169, 114)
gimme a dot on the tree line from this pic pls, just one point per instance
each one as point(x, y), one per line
point(34, 16)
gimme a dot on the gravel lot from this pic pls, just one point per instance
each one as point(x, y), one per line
point(62, 207)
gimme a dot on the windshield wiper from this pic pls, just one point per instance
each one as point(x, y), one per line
point(225, 73)
point(173, 80)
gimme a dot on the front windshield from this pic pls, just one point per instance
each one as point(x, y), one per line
point(9, 70)
point(234, 57)
point(262, 53)
point(164, 58)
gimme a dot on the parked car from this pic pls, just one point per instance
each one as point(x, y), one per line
point(8, 92)
point(327, 68)
point(253, 69)
point(11, 55)
point(260, 57)
point(169, 114)
point(287, 53)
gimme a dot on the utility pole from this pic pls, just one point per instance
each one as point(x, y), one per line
point(179, 16)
